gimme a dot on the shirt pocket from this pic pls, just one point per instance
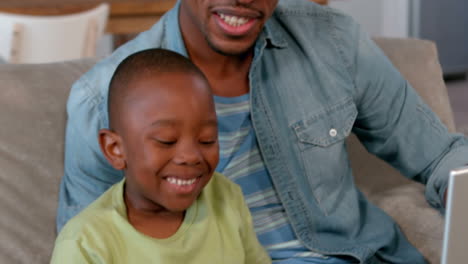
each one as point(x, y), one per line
point(326, 127)
point(323, 155)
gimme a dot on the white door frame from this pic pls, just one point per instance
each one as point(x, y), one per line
point(395, 18)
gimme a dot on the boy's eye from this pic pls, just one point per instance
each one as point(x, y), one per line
point(207, 142)
point(166, 142)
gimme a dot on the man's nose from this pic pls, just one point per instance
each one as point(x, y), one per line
point(188, 154)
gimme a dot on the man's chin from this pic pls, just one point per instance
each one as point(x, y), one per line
point(231, 48)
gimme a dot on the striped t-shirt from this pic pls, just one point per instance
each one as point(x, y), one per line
point(241, 161)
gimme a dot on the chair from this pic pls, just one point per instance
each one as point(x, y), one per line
point(44, 39)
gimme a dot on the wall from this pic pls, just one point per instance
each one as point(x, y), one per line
point(388, 18)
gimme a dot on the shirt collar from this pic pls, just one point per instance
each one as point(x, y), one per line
point(273, 34)
point(174, 40)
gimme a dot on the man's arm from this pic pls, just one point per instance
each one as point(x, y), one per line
point(86, 174)
point(396, 125)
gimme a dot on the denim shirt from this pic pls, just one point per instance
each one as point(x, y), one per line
point(315, 78)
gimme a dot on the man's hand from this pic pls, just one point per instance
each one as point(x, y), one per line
point(445, 198)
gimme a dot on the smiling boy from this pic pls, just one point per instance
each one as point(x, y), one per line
point(171, 207)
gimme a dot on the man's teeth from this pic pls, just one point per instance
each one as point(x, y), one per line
point(234, 20)
point(181, 182)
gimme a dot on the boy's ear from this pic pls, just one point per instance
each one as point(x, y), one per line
point(111, 146)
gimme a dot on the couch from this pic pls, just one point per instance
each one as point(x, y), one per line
point(33, 116)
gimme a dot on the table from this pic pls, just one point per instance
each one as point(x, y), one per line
point(126, 16)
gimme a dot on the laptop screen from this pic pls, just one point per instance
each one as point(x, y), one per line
point(455, 247)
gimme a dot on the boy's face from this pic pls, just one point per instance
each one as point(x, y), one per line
point(169, 140)
point(229, 26)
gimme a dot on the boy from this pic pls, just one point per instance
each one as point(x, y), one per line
point(171, 207)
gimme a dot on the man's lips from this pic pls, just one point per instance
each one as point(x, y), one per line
point(237, 11)
point(234, 21)
point(235, 25)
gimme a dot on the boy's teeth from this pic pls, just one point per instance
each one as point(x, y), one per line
point(234, 21)
point(181, 182)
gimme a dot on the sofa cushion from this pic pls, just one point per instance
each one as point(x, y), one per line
point(32, 114)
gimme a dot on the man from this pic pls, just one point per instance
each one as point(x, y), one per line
point(291, 80)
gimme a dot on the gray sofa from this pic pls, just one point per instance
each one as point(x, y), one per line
point(33, 115)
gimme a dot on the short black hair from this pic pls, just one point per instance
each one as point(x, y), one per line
point(150, 61)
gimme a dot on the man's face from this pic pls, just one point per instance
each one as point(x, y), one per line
point(230, 27)
point(169, 140)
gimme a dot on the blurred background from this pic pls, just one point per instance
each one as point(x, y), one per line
point(443, 21)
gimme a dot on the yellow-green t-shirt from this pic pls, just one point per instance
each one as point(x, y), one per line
point(217, 228)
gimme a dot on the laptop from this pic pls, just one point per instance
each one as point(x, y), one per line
point(455, 246)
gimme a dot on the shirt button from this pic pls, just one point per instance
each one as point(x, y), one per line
point(333, 132)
